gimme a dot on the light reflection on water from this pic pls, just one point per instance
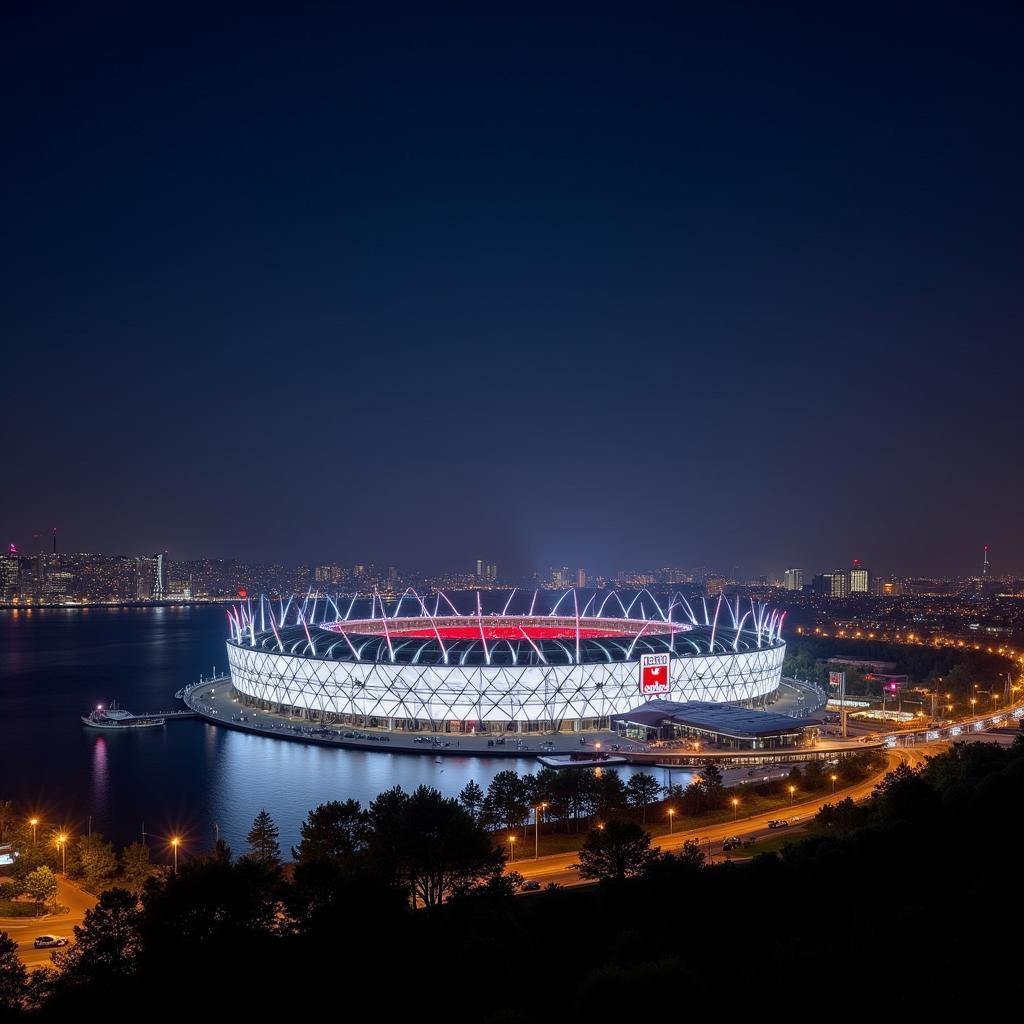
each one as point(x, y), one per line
point(189, 775)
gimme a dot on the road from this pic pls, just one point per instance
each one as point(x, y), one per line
point(24, 930)
point(558, 868)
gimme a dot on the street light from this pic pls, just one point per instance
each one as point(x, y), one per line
point(735, 808)
point(512, 848)
point(834, 777)
point(671, 814)
point(792, 793)
point(536, 829)
point(175, 843)
point(62, 842)
point(34, 822)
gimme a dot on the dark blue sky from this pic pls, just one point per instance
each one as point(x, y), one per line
point(611, 285)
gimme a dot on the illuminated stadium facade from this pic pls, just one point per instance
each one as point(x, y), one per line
point(410, 667)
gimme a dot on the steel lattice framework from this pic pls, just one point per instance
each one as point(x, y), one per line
point(549, 671)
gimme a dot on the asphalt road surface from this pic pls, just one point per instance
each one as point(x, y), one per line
point(24, 930)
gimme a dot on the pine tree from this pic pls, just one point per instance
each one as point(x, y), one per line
point(472, 799)
point(263, 840)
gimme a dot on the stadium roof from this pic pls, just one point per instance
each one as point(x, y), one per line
point(720, 718)
point(332, 644)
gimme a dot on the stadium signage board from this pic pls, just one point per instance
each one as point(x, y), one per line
point(654, 673)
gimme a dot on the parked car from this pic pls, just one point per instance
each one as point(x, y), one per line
point(732, 843)
point(778, 823)
point(530, 885)
point(47, 941)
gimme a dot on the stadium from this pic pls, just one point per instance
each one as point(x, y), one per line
point(407, 667)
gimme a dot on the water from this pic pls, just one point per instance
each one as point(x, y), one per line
point(187, 777)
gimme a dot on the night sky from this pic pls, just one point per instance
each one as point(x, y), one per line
point(634, 285)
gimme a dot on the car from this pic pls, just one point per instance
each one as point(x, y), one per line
point(48, 941)
point(731, 843)
point(778, 823)
point(530, 885)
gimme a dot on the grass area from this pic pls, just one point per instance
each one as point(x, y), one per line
point(17, 908)
point(772, 844)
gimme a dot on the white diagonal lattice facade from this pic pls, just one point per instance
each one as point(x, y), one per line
point(529, 693)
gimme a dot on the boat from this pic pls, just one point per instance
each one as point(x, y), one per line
point(114, 717)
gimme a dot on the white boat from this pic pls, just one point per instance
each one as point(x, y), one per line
point(114, 717)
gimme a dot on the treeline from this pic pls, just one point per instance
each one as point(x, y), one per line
point(957, 669)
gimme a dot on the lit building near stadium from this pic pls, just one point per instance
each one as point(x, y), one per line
point(410, 667)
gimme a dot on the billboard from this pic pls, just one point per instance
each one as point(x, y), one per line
point(654, 674)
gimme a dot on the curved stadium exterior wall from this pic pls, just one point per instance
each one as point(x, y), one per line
point(436, 677)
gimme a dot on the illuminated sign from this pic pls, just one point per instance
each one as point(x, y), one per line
point(654, 674)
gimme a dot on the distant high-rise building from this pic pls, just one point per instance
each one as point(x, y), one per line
point(794, 579)
point(839, 583)
point(562, 576)
point(984, 562)
point(581, 578)
point(160, 576)
point(10, 575)
point(887, 588)
point(486, 571)
point(860, 579)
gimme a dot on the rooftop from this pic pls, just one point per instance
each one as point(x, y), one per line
point(723, 718)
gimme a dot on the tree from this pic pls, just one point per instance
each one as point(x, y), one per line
point(210, 905)
point(472, 799)
point(13, 975)
point(620, 850)
point(691, 853)
point(263, 840)
point(508, 800)
point(333, 832)
point(608, 793)
point(221, 852)
point(641, 790)
point(431, 845)
point(135, 866)
point(7, 818)
point(106, 942)
point(41, 885)
point(96, 861)
point(711, 776)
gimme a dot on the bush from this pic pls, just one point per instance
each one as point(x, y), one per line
point(18, 908)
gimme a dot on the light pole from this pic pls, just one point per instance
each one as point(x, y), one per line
point(536, 829)
point(735, 808)
point(512, 848)
point(974, 700)
point(671, 814)
point(34, 822)
point(62, 842)
point(792, 794)
point(175, 843)
point(834, 777)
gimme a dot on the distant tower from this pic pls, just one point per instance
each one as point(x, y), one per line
point(984, 564)
point(55, 540)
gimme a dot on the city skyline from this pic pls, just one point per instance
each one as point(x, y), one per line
point(487, 568)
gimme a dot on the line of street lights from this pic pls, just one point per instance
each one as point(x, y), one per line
point(61, 842)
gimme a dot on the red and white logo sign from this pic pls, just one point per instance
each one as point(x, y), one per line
point(654, 674)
